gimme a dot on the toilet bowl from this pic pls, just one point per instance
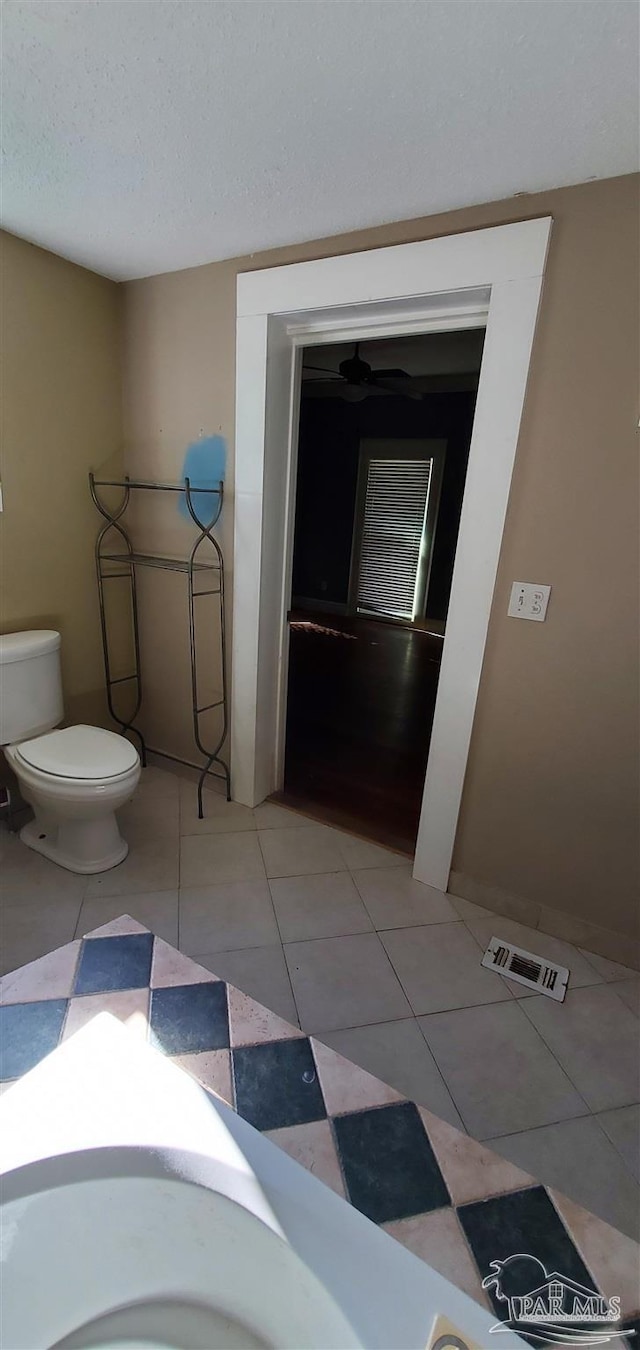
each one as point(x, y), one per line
point(75, 778)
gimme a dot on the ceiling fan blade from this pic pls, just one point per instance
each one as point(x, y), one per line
point(349, 393)
point(401, 388)
point(320, 388)
point(324, 370)
point(392, 374)
point(371, 388)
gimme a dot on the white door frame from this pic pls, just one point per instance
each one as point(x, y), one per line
point(493, 276)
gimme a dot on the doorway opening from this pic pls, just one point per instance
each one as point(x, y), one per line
point(490, 277)
point(384, 436)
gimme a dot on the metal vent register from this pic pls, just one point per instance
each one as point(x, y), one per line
point(543, 976)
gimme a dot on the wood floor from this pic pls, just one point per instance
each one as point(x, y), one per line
point(360, 709)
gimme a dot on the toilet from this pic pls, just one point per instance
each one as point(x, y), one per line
point(75, 778)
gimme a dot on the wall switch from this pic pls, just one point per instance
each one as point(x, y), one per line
point(529, 601)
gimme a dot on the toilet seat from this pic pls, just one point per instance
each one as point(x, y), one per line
point(81, 753)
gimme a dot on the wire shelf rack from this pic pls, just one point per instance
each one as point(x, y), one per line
point(204, 566)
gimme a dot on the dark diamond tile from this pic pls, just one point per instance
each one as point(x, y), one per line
point(114, 963)
point(388, 1163)
point(523, 1223)
point(186, 1018)
point(277, 1084)
point(28, 1032)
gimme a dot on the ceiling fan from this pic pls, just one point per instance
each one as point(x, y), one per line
point(355, 380)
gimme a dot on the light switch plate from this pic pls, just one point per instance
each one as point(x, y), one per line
point(529, 601)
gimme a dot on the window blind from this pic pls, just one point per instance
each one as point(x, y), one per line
point(395, 505)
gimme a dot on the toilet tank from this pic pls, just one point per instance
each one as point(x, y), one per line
point(30, 685)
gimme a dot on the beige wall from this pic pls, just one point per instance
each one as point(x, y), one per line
point(550, 803)
point(179, 366)
point(61, 416)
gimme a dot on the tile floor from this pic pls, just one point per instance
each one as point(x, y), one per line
point(331, 933)
point(451, 1201)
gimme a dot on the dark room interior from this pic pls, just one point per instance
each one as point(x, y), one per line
point(363, 682)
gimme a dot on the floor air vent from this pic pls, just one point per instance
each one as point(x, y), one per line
point(526, 968)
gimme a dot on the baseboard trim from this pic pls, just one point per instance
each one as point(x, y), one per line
point(603, 941)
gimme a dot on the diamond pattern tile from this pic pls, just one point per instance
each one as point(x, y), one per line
point(114, 963)
point(250, 1023)
point(389, 1165)
point(313, 1146)
point(525, 1224)
point(453, 1202)
point(186, 1018)
point(277, 1084)
point(50, 977)
point(28, 1032)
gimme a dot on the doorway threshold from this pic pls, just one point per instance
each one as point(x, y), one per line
point(349, 820)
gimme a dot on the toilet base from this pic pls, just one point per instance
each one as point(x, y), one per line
point(66, 844)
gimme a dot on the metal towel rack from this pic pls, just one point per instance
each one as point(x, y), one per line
point(204, 560)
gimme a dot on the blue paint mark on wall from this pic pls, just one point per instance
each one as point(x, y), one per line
point(204, 465)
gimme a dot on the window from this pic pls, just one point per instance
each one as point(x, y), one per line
point(397, 507)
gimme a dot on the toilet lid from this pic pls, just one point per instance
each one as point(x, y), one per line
point(80, 752)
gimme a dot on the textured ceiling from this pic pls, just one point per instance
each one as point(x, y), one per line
point(147, 137)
